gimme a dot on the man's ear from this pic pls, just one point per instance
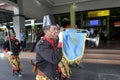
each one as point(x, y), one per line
point(45, 31)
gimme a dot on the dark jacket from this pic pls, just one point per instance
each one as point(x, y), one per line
point(47, 58)
point(15, 46)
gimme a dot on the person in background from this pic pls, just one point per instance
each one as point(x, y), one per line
point(48, 53)
point(12, 47)
point(91, 35)
point(33, 40)
point(105, 36)
point(39, 34)
point(22, 40)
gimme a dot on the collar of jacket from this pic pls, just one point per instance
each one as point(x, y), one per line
point(50, 40)
point(13, 38)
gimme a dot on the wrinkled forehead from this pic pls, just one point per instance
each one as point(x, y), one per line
point(53, 27)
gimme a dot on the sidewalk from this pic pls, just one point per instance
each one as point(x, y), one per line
point(25, 55)
point(108, 46)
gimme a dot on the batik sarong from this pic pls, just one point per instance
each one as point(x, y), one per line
point(15, 62)
point(65, 68)
point(41, 77)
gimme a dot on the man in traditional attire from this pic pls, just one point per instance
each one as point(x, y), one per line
point(12, 47)
point(48, 53)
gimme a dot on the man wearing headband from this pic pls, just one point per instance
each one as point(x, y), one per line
point(48, 52)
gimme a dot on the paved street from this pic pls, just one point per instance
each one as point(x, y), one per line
point(6, 72)
point(88, 71)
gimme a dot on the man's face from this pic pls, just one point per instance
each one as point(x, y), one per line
point(13, 35)
point(53, 32)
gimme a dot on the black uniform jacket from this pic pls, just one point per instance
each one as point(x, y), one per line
point(47, 58)
point(15, 46)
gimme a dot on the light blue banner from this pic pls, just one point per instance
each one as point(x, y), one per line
point(73, 44)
